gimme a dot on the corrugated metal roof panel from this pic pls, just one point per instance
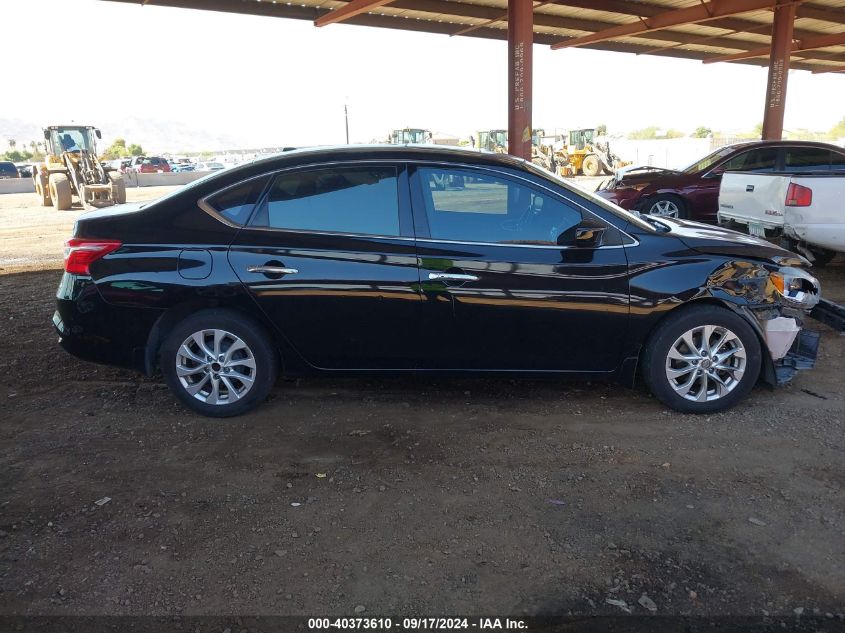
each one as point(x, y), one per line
point(574, 18)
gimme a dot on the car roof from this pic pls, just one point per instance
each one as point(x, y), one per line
point(785, 143)
point(387, 152)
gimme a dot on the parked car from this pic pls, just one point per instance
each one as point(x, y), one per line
point(179, 166)
point(210, 166)
point(692, 193)
point(8, 169)
point(120, 164)
point(24, 169)
point(802, 208)
point(149, 165)
point(352, 260)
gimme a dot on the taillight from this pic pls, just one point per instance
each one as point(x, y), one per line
point(79, 253)
point(798, 196)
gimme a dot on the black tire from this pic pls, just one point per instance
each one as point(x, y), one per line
point(259, 349)
point(653, 206)
point(591, 165)
point(60, 192)
point(118, 187)
point(656, 360)
point(42, 190)
point(821, 256)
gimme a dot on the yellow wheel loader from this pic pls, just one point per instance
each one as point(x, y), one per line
point(415, 136)
point(497, 141)
point(72, 168)
point(588, 154)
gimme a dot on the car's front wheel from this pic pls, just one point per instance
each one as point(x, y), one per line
point(219, 363)
point(702, 359)
point(667, 205)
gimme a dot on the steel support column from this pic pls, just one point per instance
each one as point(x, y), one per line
point(520, 42)
point(782, 25)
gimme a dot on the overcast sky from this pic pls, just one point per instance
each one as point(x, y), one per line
point(284, 82)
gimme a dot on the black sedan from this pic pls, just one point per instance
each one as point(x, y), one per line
point(424, 259)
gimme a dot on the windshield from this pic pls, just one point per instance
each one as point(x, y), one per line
point(65, 139)
point(708, 161)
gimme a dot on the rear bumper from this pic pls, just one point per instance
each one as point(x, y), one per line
point(95, 331)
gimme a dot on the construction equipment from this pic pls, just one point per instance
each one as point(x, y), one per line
point(416, 136)
point(497, 141)
point(588, 154)
point(492, 141)
point(71, 167)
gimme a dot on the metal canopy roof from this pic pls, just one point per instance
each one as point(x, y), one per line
point(738, 31)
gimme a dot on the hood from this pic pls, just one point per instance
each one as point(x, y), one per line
point(715, 240)
point(643, 174)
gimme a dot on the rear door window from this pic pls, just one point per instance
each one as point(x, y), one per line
point(357, 200)
point(807, 159)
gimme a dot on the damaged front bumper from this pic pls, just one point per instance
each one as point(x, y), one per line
point(791, 348)
point(801, 355)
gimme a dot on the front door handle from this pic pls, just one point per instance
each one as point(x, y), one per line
point(272, 270)
point(451, 277)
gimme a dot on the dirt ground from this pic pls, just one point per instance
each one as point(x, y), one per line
point(403, 496)
point(33, 236)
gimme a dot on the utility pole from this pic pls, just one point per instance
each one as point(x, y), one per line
point(346, 118)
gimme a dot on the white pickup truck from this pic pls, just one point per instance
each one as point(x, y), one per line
point(805, 211)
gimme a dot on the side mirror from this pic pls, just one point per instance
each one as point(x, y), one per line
point(98, 133)
point(586, 234)
point(46, 135)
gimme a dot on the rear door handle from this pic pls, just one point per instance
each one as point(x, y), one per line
point(451, 277)
point(749, 187)
point(272, 270)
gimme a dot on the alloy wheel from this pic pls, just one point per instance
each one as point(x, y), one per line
point(664, 209)
point(215, 366)
point(705, 363)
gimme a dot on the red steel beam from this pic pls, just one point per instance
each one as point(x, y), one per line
point(807, 44)
point(782, 24)
point(831, 69)
point(702, 12)
point(503, 16)
point(351, 9)
point(520, 44)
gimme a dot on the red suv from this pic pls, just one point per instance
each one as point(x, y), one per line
point(149, 165)
point(693, 193)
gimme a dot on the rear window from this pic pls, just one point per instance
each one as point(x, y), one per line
point(236, 203)
point(8, 168)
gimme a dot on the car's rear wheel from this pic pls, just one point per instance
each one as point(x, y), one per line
point(667, 206)
point(702, 359)
point(219, 363)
